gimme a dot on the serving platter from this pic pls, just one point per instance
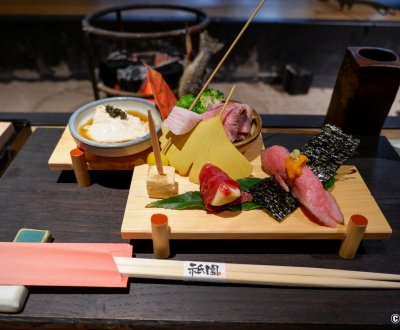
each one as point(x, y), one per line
point(350, 191)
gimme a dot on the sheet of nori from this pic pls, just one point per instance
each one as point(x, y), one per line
point(328, 150)
point(269, 194)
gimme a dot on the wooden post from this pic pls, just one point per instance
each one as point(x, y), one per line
point(79, 164)
point(160, 235)
point(355, 233)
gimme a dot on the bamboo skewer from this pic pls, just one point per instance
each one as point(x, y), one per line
point(168, 144)
point(155, 144)
point(227, 100)
point(261, 274)
point(226, 54)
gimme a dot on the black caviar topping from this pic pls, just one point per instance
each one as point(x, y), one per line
point(115, 112)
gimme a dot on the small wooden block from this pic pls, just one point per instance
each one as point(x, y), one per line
point(161, 185)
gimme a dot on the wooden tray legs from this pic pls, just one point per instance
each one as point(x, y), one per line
point(160, 235)
point(79, 165)
point(355, 233)
point(160, 230)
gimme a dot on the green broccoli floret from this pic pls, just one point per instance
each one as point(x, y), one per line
point(185, 101)
point(210, 95)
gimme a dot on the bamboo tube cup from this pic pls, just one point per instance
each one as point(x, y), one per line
point(355, 233)
point(79, 164)
point(160, 235)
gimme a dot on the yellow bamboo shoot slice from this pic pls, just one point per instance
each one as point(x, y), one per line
point(206, 143)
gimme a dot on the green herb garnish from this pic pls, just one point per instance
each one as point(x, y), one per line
point(188, 200)
point(329, 184)
point(247, 183)
point(295, 154)
point(247, 206)
point(209, 96)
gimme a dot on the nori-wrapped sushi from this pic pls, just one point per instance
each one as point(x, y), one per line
point(326, 151)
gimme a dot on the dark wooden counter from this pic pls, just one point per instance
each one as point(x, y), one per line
point(33, 196)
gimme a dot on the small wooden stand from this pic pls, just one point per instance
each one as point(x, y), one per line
point(160, 235)
point(79, 165)
point(355, 233)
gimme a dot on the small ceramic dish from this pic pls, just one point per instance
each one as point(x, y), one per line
point(83, 115)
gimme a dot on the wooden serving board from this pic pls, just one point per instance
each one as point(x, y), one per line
point(350, 191)
point(60, 159)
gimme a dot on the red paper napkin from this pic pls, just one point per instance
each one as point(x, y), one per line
point(62, 264)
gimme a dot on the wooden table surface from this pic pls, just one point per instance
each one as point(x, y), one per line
point(33, 196)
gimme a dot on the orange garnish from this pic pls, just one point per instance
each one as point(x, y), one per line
point(294, 164)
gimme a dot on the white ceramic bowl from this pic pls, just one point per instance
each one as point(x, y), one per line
point(85, 113)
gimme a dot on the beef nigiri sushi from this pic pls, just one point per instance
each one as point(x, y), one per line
point(305, 186)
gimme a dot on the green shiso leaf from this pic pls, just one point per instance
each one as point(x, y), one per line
point(193, 199)
point(246, 183)
point(188, 200)
point(246, 206)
